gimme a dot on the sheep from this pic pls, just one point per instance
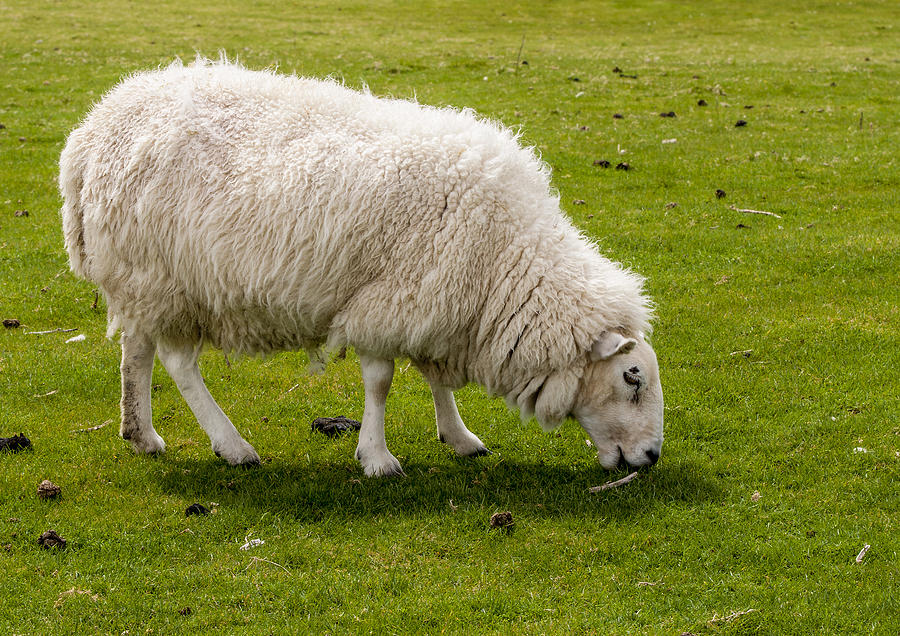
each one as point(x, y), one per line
point(256, 212)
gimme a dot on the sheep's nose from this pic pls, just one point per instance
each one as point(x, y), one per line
point(652, 455)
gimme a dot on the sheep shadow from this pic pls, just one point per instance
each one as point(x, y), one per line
point(309, 491)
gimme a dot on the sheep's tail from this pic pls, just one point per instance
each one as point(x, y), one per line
point(71, 180)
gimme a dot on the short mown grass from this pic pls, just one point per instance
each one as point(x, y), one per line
point(777, 340)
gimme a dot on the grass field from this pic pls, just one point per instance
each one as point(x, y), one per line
point(777, 340)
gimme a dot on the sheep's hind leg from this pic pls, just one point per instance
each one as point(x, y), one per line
point(137, 377)
point(181, 364)
point(451, 429)
point(372, 451)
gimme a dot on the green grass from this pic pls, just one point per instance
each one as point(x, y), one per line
point(812, 296)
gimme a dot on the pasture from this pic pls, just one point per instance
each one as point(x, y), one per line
point(777, 335)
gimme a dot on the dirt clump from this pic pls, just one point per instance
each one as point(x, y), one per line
point(333, 426)
point(48, 490)
point(502, 521)
point(14, 443)
point(196, 509)
point(50, 540)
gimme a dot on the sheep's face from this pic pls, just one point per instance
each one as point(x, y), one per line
point(620, 403)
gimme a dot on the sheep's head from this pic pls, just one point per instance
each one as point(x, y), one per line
point(616, 397)
point(620, 403)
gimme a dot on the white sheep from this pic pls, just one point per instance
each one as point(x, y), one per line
point(256, 212)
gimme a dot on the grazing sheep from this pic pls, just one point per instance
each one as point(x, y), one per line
point(255, 212)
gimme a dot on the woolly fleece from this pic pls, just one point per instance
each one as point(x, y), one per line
point(258, 212)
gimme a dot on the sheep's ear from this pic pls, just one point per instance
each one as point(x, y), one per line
point(555, 399)
point(609, 344)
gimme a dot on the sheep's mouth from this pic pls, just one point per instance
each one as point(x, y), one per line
point(622, 463)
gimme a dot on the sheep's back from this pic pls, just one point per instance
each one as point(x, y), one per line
point(255, 208)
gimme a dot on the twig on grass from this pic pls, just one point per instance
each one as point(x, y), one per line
point(614, 484)
point(729, 618)
point(749, 211)
point(41, 333)
point(54, 391)
point(862, 553)
point(93, 428)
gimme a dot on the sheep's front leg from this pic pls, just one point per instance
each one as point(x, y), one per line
point(137, 376)
point(181, 364)
point(450, 427)
point(372, 451)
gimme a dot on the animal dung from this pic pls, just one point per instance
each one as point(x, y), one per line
point(623, 166)
point(740, 123)
point(48, 490)
point(670, 113)
point(333, 426)
point(502, 520)
point(603, 163)
point(14, 443)
point(50, 540)
point(196, 509)
point(11, 323)
point(720, 194)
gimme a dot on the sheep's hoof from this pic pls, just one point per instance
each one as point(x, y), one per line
point(380, 465)
point(241, 454)
point(468, 446)
point(151, 444)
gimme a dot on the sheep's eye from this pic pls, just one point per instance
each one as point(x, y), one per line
point(633, 376)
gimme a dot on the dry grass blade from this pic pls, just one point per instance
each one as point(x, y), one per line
point(749, 211)
point(254, 560)
point(57, 330)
